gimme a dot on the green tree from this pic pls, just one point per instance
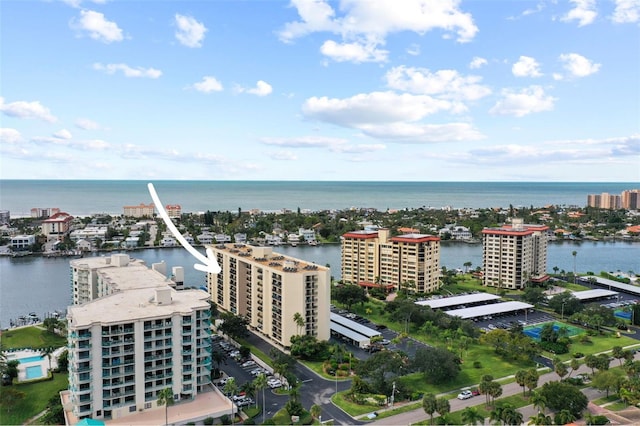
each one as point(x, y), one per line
point(560, 367)
point(299, 320)
point(539, 401)
point(605, 380)
point(521, 379)
point(531, 379)
point(315, 411)
point(471, 416)
point(540, 419)
point(436, 364)
point(564, 417)
point(234, 326)
point(349, 294)
point(443, 407)
point(562, 395)
point(165, 397)
point(48, 352)
point(260, 383)
point(429, 405)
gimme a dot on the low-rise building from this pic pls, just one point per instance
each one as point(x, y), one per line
point(56, 227)
point(22, 242)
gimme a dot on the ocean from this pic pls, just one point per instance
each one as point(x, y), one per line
point(86, 197)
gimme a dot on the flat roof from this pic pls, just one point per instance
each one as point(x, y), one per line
point(458, 300)
point(348, 333)
point(494, 308)
point(136, 305)
point(593, 294)
point(625, 288)
point(355, 326)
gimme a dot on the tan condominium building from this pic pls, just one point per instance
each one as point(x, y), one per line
point(126, 347)
point(141, 210)
point(514, 254)
point(270, 289)
point(375, 259)
point(95, 277)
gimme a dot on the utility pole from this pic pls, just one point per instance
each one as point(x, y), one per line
point(393, 393)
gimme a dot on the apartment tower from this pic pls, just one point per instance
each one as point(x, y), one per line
point(372, 258)
point(269, 289)
point(127, 346)
point(514, 254)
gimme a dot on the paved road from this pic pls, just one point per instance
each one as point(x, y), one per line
point(419, 415)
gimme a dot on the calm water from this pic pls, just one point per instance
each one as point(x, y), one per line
point(37, 284)
point(82, 198)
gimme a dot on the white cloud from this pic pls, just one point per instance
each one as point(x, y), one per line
point(359, 148)
point(527, 101)
point(423, 133)
point(375, 107)
point(86, 124)
point(283, 156)
point(584, 12)
point(97, 26)
point(81, 145)
point(23, 109)
point(62, 134)
point(360, 24)
point(262, 89)
point(9, 136)
point(190, 32)
point(577, 65)
point(526, 67)
point(208, 84)
point(477, 62)
point(446, 84)
point(305, 142)
point(128, 71)
point(626, 11)
point(414, 49)
point(353, 52)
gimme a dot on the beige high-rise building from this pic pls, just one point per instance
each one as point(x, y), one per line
point(125, 347)
point(269, 289)
point(631, 199)
point(374, 258)
point(514, 254)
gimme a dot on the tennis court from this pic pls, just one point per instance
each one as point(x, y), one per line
point(535, 330)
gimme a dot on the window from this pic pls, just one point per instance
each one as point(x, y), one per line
point(132, 408)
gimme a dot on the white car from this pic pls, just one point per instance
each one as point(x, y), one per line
point(274, 383)
point(249, 363)
point(465, 394)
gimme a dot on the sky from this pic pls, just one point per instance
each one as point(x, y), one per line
point(350, 90)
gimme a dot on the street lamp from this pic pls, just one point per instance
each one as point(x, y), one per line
point(562, 316)
point(393, 392)
point(336, 380)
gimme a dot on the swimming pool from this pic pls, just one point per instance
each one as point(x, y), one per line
point(36, 358)
point(34, 372)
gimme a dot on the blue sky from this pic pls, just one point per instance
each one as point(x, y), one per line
point(393, 90)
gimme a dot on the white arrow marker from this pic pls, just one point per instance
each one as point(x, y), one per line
point(209, 262)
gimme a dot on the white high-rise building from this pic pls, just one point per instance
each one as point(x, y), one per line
point(127, 346)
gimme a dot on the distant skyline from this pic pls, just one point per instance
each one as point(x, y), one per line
point(350, 90)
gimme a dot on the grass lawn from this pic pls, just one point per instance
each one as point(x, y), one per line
point(257, 352)
point(352, 408)
point(398, 410)
point(36, 397)
point(598, 344)
point(31, 337)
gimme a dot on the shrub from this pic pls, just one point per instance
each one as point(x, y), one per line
point(249, 422)
point(477, 364)
point(226, 419)
point(578, 355)
point(208, 421)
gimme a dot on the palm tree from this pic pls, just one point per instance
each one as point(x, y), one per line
point(315, 411)
point(539, 401)
point(165, 397)
point(563, 417)
point(299, 320)
point(260, 383)
point(574, 254)
point(471, 416)
point(48, 352)
point(429, 405)
point(540, 419)
point(467, 265)
point(511, 416)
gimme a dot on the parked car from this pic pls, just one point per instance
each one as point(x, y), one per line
point(274, 383)
point(465, 394)
point(249, 363)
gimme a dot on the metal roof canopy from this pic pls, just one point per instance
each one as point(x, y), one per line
point(458, 300)
point(492, 309)
point(625, 288)
point(344, 331)
point(593, 294)
point(352, 325)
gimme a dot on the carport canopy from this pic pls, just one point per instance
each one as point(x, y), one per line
point(363, 330)
point(604, 282)
point(465, 299)
point(350, 334)
point(492, 309)
point(593, 294)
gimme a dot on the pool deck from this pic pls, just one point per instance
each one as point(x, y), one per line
point(44, 363)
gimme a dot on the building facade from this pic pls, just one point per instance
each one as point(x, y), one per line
point(142, 210)
point(372, 258)
point(514, 254)
point(269, 289)
point(631, 199)
point(126, 347)
point(56, 227)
